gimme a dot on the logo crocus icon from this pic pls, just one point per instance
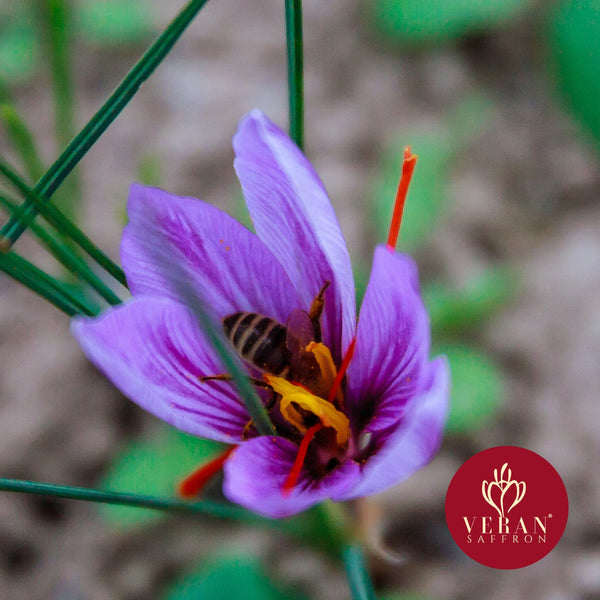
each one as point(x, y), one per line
point(500, 498)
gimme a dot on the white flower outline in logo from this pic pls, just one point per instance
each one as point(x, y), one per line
point(504, 486)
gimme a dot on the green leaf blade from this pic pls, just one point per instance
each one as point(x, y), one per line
point(114, 22)
point(415, 22)
point(477, 388)
point(154, 467)
point(454, 311)
point(574, 54)
point(229, 578)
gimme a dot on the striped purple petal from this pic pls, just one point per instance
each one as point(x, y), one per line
point(231, 268)
point(153, 350)
point(294, 218)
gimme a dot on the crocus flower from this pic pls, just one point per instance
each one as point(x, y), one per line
point(367, 420)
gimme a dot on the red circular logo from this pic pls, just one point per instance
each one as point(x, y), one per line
point(506, 507)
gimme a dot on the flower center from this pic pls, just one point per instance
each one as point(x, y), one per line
point(300, 406)
point(295, 397)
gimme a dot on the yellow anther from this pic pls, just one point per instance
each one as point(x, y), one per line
point(325, 411)
point(328, 370)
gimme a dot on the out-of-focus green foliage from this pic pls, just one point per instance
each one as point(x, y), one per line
point(476, 381)
point(149, 169)
point(407, 596)
point(427, 196)
point(155, 467)
point(476, 388)
point(114, 21)
point(229, 578)
point(454, 311)
point(22, 139)
point(106, 22)
point(19, 45)
point(574, 50)
point(422, 21)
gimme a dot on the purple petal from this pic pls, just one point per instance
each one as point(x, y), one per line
point(153, 350)
point(257, 470)
point(415, 441)
point(294, 218)
point(392, 344)
point(227, 264)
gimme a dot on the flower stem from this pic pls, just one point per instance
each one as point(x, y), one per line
point(88, 136)
point(56, 218)
point(293, 33)
point(359, 579)
point(66, 257)
point(204, 507)
point(42, 284)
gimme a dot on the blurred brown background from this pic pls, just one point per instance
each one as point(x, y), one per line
point(523, 191)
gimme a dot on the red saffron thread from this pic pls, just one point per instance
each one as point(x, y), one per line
point(193, 484)
point(340, 375)
point(292, 478)
point(408, 166)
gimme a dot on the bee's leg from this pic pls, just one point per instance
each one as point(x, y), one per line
point(268, 406)
point(258, 383)
point(316, 310)
point(226, 377)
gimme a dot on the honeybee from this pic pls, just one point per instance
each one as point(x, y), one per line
point(270, 347)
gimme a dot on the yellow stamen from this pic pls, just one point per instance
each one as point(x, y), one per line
point(328, 371)
point(325, 411)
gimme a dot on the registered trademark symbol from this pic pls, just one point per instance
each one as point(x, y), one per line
point(550, 516)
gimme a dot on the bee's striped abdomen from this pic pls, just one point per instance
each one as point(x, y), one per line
point(259, 340)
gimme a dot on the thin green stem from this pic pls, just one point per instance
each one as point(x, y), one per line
point(203, 507)
point(359, 579)
point(295, 61)
point(22, 140)
point(56, 23)
point(191, 297)
point(86, 138)
point(56, 218)
point(43, 284)
point(65, 256)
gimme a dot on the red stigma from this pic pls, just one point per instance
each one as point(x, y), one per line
point(340, 374)
point(292, 478)
point(193, 484)
point(408, 166)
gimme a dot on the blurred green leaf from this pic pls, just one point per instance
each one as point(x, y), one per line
point(427, 196)
point(154, 467)
point(149, 169)
point(114, 21)
point(240, 210)
point(574, 44)
point(22, 139)
point(422, 21)
point(404, 596)
point(229, 578)
point(453, 311)
point(19, 49)
point(477, 388)
point(361, 278)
